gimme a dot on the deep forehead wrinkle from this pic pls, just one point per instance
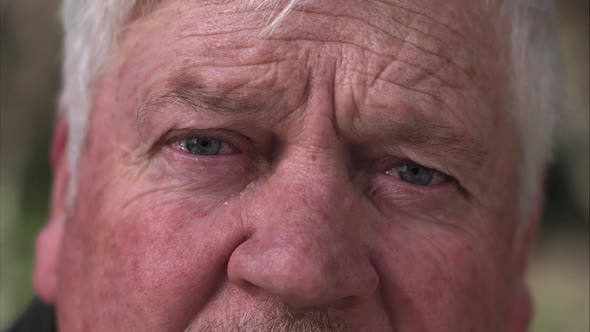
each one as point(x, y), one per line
point(432, 42)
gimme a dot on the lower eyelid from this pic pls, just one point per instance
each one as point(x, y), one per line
point(202, 172)
point(185, 162)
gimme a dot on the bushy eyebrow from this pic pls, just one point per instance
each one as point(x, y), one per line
point(185, 90)
point(437, 137)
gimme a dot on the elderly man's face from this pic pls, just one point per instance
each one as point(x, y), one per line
point(353, 168)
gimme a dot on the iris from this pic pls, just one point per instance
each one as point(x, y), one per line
point(202, 145)
point(416, 174)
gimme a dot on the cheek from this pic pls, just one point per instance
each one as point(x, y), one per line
point(153, 258)
point(147, 241)
point(442, 278)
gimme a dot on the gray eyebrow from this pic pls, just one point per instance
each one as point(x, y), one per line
point(426, 132)
point(423, 132)
point(186, 91)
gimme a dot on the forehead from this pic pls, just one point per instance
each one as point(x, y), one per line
point(456, 33)
point(448, 44)
point(451, 31)
point(403, 60)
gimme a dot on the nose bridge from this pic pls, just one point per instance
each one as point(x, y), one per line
point(304, 248)
point(308, 203)
point(317, 177)
point(311, 186)
point(305, 244)
point(314, 199)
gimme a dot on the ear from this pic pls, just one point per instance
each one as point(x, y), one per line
point(523, 305)
point(48, 241)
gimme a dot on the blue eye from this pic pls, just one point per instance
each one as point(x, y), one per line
point(417, 174)
point(207, 146)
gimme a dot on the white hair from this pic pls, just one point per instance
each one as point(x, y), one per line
point(534, 51)
point(92, 27)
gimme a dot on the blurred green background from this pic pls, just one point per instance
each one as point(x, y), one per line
point(30, 55)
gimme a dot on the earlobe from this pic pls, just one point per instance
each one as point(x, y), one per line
point(48, 243)
point(521, 316)
point(46, 254)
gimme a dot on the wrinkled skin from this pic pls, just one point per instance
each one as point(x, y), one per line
point(300, 223)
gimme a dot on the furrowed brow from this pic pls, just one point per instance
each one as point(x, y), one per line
point(186, 92)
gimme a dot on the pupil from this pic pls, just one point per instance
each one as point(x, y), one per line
point(203, 145)
point(416, 174)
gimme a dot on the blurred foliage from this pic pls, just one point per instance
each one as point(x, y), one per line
point(29, 82)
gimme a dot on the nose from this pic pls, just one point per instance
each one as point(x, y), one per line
point(306, 244)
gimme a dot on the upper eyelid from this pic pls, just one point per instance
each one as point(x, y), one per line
point(237, 141)
point(411, 163)
point(390, 162)
point(436, 171)
point(220, 134)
